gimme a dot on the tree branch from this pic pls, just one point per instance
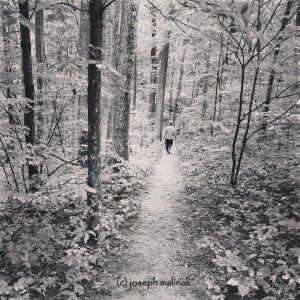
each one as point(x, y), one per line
point(65, 163)
point(70, 5)
point(274, 120)
point(108, 4)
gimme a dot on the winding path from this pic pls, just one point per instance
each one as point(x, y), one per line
point(159, 245)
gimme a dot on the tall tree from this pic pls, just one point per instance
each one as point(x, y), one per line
point(162, 76)
point(135, 59)
point(28, 82)
point(40, 60)
point(114, 63)
point(94, 93)
point(153, 76)
point(122, 103)
point(272, 74)
point(179, 87)
point(7, 68)
point(84, 41)
point(298, 15)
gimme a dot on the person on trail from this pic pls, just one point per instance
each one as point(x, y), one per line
point(169, 136)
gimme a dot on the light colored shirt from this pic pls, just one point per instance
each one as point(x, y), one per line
point(170, 133)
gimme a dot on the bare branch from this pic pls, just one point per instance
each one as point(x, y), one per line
point(274, 120)
point(70, 162)
point(108, 4)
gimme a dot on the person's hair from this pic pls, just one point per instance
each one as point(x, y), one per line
point(170, 123)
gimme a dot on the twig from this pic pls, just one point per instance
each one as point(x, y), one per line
point(70, 163)
point(68, 4)
point(24, 179)
point(108, 4)
point(56, 124)
point(66, 163)
point(10, 165)
point(261, 128)
point(6, 176)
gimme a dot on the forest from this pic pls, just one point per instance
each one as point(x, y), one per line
point(92, 206)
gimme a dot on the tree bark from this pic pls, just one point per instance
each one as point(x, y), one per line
point(194, 83)
point(7, 71)
point(171, 93)
point(217, 88)
point(114, 63)
point(28, 83)
point(164, 56)
point(272, 74)
point(84, 30)
point(207, 63)
point(179, 87)
point(153, 76)
point(94, 95)
point(122, 103)
point(80, 110)
point(298, 16)
point(134, 85)
point(40, 60)
point(135, 58)
point(233, 178)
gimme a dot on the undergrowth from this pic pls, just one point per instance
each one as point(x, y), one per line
point(247, 237)
point(46, 251)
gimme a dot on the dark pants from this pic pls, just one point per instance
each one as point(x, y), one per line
point(169, 144)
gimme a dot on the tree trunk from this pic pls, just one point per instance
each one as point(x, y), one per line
point(135, 59)
point(28, 83)
point(40, 61)
point(7, 72)
point(84, 30)
point(272, 74)
point(217, 88)
point(164, 56)
point(153, 77)
point(114, 63)
point(233, 178)
point(122, 103)
point(81, 112)
point(179, 87)
point(134, 85)
point(207, 63)
point(94, 95)
point(298, 16)
point(194, 83)
point(171, 93)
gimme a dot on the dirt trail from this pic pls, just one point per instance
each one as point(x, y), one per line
point(160, 247)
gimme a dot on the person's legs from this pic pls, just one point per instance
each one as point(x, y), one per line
point(170, 145)
point(167, 145)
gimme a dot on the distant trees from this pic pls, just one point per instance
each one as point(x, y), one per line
point(162, 76)
point(240, 72)
point(179, 88)
point(278, 39)
point(153, 53)
point(239, 46)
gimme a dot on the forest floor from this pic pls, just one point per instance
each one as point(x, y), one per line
point(159, 245)
point(171, 228)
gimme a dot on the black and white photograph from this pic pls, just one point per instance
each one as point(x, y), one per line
point(149, 149)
